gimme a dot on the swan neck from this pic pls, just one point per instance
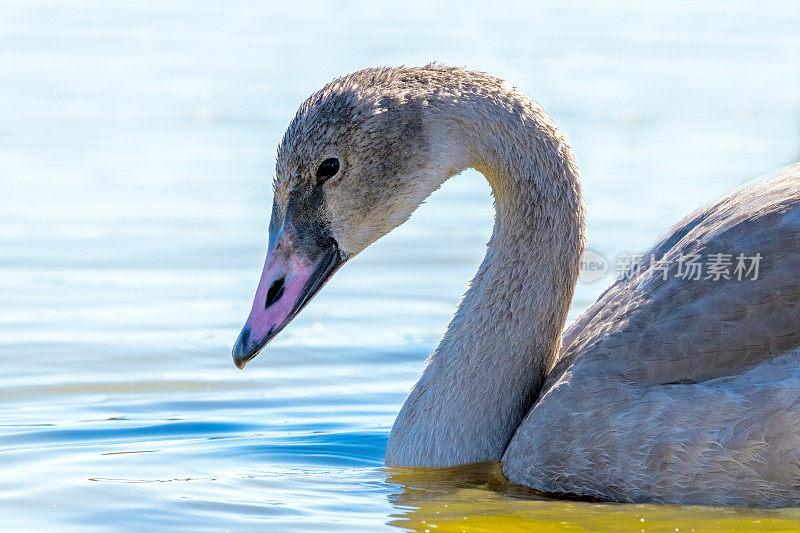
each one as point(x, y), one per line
point(489, 367)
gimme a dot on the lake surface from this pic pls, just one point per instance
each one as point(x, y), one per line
point(137, 142)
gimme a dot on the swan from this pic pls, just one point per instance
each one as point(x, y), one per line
point(667, 389)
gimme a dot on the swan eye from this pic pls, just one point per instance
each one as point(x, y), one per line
point(327, 169)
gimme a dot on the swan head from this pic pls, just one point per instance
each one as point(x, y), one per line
point(353, 164)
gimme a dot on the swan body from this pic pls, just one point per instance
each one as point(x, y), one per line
point(683, 391)
point(666, 389)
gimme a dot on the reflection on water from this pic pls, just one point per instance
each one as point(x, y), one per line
point(136, 146)
point(478, 498)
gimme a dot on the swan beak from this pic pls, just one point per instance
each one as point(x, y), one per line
point(293, 273)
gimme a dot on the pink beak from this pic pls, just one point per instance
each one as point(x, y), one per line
point(293, 273)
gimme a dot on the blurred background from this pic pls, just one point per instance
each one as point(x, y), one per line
point(137, 144)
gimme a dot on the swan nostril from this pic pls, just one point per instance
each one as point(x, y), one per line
point(275, 292)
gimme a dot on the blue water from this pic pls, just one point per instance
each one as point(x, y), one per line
point(137, 141)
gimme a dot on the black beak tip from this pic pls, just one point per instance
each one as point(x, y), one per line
point(246, 349)
point(241, 350)
point(240, 362)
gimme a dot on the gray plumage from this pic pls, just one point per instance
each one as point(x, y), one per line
point(684, 391)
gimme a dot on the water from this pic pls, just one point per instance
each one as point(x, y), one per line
point(136, 149)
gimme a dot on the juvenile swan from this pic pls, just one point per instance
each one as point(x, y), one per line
point(667, 389)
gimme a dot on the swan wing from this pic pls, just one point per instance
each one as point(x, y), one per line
point(660, 325)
